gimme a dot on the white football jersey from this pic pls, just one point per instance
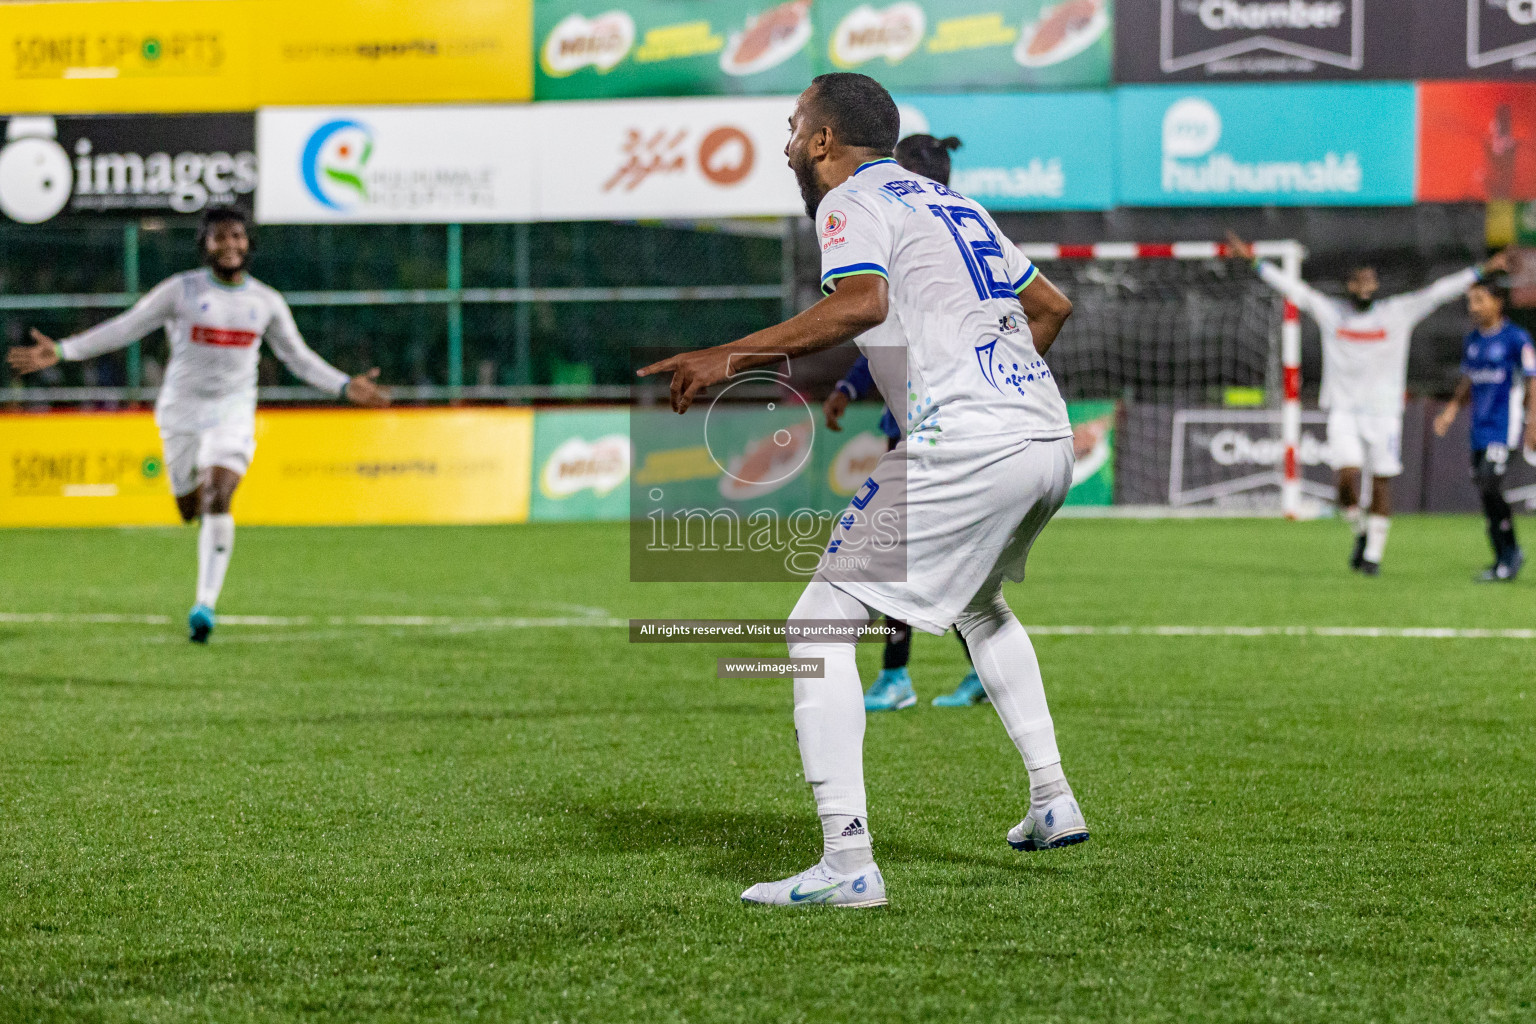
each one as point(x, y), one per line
point(1365, 353)
point(970, 370)
point(215, 332)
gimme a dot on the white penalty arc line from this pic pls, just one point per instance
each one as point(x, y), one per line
point(607, 622)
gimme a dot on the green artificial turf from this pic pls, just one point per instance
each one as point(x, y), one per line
point(336, 822)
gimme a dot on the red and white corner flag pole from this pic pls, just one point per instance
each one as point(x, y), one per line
point(1290, 406)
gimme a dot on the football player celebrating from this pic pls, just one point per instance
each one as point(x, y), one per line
point(892, 690)
point(215, 320)
point(986, 462)
point(1497, 357)
point(1365, 376)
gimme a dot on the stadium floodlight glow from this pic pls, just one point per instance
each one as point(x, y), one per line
point(1285, 332)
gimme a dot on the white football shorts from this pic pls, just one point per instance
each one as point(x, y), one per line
point(227, 440)
point(970, 513)
point(1365, 441)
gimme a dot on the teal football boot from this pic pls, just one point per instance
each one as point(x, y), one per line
point(970, 692)
point(892, 691)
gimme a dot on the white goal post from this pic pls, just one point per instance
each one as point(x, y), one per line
point(1289, 255)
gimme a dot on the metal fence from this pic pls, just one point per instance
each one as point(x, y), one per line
point(503, 312)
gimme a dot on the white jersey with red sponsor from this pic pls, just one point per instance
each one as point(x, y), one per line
point(1365, 352)
point(970, 371)
point(215, 332)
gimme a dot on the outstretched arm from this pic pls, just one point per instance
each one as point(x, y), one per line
point(1418, 305)
point(152, 311)
point(859, 303)
point(1302, 295)
point(288, 344)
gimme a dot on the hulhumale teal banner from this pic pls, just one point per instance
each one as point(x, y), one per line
point(1340, 144)
point(1024, 151)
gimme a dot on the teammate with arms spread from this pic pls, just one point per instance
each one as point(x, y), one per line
point(1497, 358)
point(215, 320)
point(986, 462)
point(1365, 378)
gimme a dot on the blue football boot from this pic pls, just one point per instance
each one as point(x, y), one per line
point(968, 693)
point(892, 691)
point(200, 623)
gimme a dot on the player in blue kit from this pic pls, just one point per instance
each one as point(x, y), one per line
point(892, 690)
point(1497, 358)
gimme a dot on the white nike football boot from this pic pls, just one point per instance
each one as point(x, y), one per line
point(1061, 824)
point(819, 884)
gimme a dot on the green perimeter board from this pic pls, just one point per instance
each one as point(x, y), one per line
point(694, 461)
point(580, 464)
point(947, 45)
point(1093, 430)
point(598, 50)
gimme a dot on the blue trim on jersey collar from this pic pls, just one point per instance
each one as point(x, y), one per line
point(871, 163)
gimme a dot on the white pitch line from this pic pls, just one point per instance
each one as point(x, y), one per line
point(489, 622)
point(608, 622)
point(1386, 632)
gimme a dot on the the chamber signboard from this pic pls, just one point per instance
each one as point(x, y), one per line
point(1475, 39)
point(124, 164)
point(1237, 40)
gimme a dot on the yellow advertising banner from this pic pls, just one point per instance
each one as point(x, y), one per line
point(154, 56)
point(185, 55)
point(390, 51)
point(312, 467)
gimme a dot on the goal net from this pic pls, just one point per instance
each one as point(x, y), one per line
point(1203, 361)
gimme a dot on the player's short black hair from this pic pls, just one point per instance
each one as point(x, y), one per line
point(858, 110)
point(222, 214)
point(927, 155)
point(1498, 287)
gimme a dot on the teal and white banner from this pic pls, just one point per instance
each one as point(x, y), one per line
point(1024, 151)
point(1339, 144)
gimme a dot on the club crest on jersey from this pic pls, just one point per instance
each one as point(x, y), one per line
point(1008, 324)
point(832, 236)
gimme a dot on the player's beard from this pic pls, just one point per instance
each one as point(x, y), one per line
point(224, 272)
point(1362, 305)
point(811, 192)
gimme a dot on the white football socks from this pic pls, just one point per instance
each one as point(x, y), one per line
point(829, 726)
point(215, 544)
point(1355, 516)
point(1376, 528)
point(1009, 670)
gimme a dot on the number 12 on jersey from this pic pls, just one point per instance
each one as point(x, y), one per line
point(977, 252)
